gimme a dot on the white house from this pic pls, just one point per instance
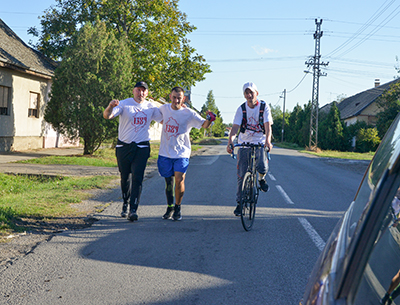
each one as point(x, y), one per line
point(25, 83)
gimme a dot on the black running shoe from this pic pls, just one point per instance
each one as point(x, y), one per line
point(237, 211)
point(124, 212)
point(177, 213)
point(168, 213)
point(263, 185)
point(133, 216)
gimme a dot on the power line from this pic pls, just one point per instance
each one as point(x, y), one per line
point(369, 22)
point(394, 13)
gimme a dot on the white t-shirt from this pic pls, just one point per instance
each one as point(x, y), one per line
point(254, 134)
point(175, 138)
point(135, 119)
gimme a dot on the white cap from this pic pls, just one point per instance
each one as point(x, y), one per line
point(250, 86)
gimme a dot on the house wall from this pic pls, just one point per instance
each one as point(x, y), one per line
point(368, 115)
point(18, 131)
point(156, 129)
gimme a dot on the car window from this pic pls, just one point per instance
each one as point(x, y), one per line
point(383, 159)
point(381, 276)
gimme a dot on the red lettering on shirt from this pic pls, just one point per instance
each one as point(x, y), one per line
point(139, 120)
point(171, 128)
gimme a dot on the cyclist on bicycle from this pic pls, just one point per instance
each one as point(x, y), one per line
point(253, 118)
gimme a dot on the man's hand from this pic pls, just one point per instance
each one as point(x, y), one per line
point(229, 148)
point(107, 112)
point(210, 116)
point(113, 104)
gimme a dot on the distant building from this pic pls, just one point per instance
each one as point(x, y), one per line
point(363, 106)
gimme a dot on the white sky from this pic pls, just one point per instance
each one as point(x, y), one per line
point(268, 43)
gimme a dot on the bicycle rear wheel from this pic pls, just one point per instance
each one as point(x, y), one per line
point(248, 202)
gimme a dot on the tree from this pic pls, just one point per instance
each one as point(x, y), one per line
point(155, 30)
point(277, 116)
point(389, 102)
point(331, 131)
point(95, 69)
point(218, 128)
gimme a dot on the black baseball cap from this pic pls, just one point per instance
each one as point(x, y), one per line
point(142, 84)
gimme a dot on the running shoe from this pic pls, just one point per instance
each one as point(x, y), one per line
point(177, 213)
point(168, 213)
point(237, 211)
point(264, 186)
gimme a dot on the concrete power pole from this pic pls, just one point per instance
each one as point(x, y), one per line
point(283, 120)
point(314, 62)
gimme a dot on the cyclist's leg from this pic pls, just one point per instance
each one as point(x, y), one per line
point(262, 167)
point(242, 164)
point(261, 161)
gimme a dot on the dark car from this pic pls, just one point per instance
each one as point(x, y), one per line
point(361, 261)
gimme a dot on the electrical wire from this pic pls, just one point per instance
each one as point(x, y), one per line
point(369, 22)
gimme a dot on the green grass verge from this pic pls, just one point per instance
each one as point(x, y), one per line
point(104, 157)
point(42, 197)
point(329, 153)
point(208, 141)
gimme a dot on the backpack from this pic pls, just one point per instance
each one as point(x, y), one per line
point(243, 126)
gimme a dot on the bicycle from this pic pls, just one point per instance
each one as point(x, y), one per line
point(250, 187)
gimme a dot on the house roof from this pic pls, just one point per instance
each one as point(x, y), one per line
point(15, 54)
point(354, 105)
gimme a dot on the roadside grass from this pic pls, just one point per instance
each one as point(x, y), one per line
point(329, 153)
point(208, 141)
point(40, 197)
point(104, 157)
point(341, 154)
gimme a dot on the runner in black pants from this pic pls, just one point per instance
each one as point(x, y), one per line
point(133, 147)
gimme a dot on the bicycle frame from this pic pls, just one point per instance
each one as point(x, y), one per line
point(250, 187)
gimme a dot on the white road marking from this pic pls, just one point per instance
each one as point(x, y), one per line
point(315, 237)
point(318, 241)
point(271, 177)
point(284, 195)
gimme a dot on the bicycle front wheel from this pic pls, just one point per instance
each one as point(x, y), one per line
point(248, 202)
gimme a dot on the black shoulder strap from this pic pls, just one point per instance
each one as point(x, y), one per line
point(261, 117)
point(244, 118)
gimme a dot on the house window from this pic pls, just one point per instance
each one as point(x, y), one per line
point(4, 100)
point(33, 110)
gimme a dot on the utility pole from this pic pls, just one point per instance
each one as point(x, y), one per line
point(283, 121)
point(314, 62)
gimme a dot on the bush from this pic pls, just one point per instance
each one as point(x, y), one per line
point(367, 140)
point(195, 134)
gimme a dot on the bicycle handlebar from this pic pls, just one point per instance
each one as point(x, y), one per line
point(248, 145)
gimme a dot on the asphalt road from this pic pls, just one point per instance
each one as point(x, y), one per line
point(207, 258)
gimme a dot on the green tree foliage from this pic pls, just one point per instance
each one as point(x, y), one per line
point(331, 131)
point(218, 128)
point(155, 30)
point(367, 140)
point(277, 117)
point(95, 69)
point(389, 102)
